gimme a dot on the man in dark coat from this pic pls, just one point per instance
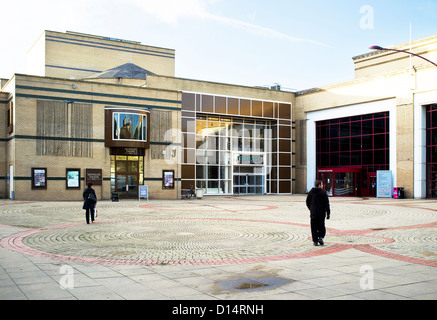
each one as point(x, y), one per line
point(89, 203)
point(318, 203)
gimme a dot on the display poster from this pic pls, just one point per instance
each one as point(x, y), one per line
point(384, 184)
point(168, 179)
point(39, 178)
point(73, 178)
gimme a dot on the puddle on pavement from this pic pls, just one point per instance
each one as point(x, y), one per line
point(249, 285)
point(252, 284)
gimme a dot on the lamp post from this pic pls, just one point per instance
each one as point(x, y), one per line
point(413, 54)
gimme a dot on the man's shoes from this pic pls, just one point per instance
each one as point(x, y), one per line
point(321, 241)
point(316, 243)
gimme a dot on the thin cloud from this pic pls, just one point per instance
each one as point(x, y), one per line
point(259, 30)
point(171, 11)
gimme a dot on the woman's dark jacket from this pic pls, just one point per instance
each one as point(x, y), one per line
point(318, 203)
point(88, 204)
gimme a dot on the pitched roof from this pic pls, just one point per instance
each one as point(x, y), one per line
point(127, 70)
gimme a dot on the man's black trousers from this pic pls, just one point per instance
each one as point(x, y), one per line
point(318, 229)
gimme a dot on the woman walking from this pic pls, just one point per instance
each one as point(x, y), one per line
point(90, 200)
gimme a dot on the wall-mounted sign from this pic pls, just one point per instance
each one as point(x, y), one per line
point(94, 176)
point(39, 178)
point(326, 170)
point(120, 151)
point(73, 178)
point(257, 159)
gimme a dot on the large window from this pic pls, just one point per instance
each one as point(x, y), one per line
point(431, 151)
point(129, 126)
point(236, 145)
point(354, 141)
point(231, 151)
point(10, 117)
point(359, 146)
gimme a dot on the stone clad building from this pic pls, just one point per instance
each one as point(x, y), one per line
point(382, 120)
point(112, 112)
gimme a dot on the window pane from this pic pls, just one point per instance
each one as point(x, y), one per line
point(334, 131)
point(201, 172)
point(213, 172)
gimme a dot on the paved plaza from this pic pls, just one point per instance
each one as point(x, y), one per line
point(218, 248)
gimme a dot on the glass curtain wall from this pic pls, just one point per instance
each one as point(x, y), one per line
point(351, 143)
point(233, 145)
point(230, 155)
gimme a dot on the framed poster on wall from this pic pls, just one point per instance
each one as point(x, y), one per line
point(167, 179)
point(73, 178)
point(39, 178)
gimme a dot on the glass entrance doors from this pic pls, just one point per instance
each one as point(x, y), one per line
point(249, 180)
point(127, 186)
point(339, 182)
point(371, 184)
point(126, 175)
point(327, 179)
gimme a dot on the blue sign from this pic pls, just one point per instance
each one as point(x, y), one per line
point(384, 184)
point(143, 192)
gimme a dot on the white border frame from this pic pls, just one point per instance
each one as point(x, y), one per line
point(349, 111)
point(118, 131)
point(420, 102)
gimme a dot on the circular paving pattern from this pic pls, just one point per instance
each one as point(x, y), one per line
point(216, 207)
point(215, 240)
point(411, 242)
point(169, 241)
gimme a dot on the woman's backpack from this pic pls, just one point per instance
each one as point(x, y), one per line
point(92, 197)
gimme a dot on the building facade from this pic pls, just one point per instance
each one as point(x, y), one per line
point(381, 120)
point(111, 112)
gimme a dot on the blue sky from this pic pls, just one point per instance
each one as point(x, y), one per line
point(298, 44)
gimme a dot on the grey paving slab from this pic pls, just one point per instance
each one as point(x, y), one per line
point(96, 292)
